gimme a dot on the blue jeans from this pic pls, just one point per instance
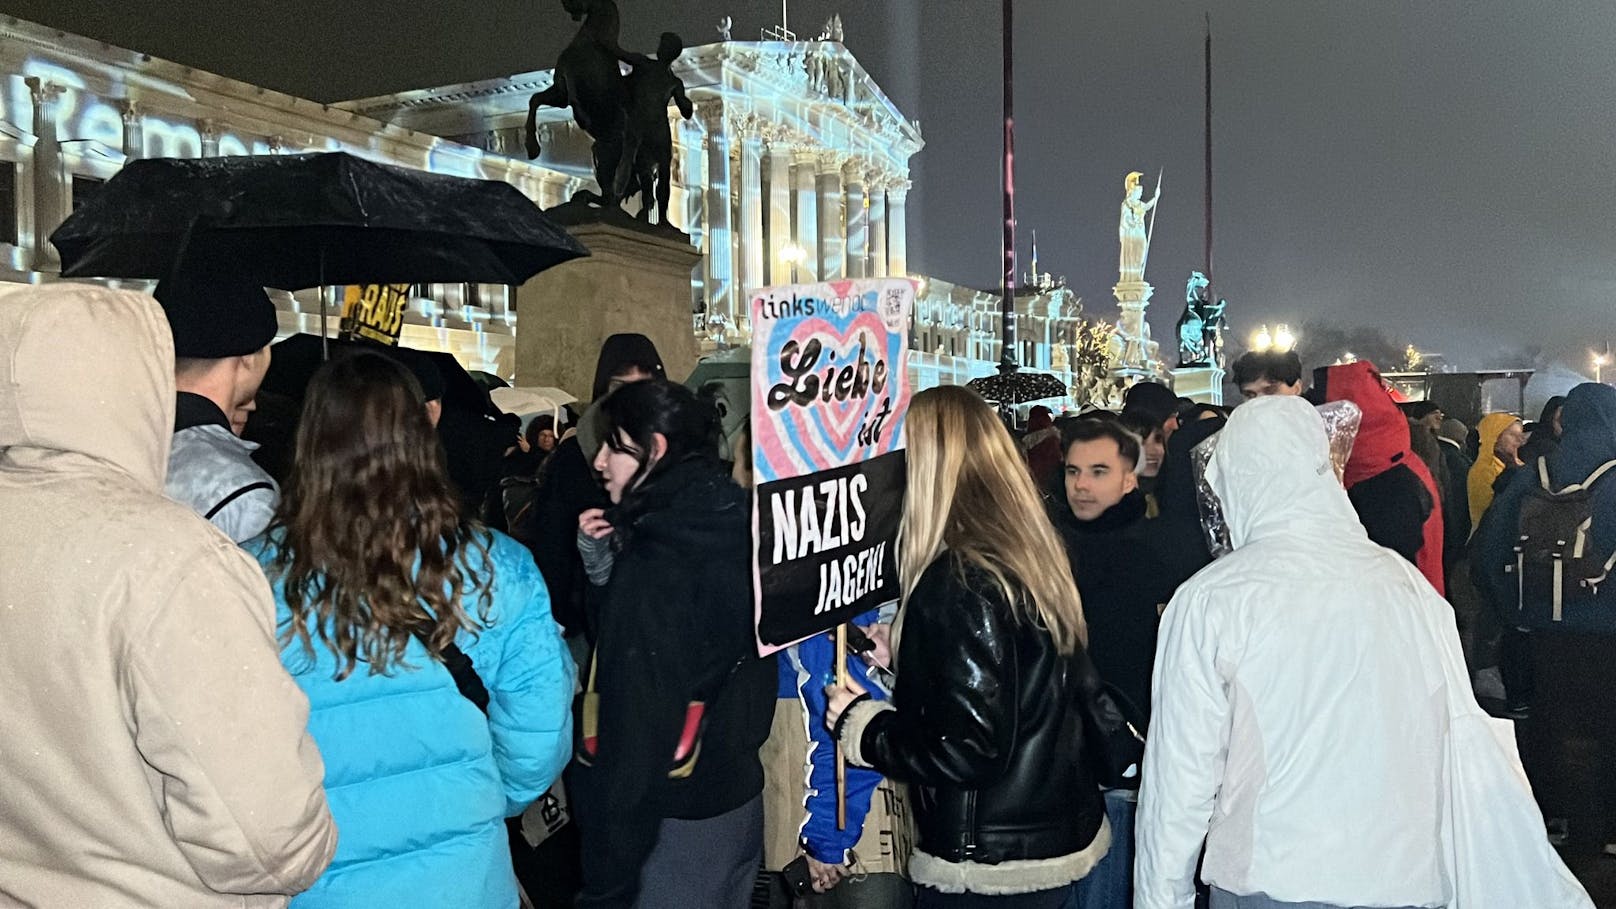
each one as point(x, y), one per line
point(1110, 884)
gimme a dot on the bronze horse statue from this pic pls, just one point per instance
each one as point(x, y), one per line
point(588, 79)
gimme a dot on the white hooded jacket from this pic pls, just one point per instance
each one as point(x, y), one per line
point(153, 752)
point(1309, 695)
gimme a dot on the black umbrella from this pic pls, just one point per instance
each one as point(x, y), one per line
point(474, 433)
point(1018, 387)
point(296, 221)
point(293, 362)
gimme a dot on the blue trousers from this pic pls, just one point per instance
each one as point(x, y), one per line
point(1110, 884)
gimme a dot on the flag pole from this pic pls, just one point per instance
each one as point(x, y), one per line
point(1007, 355)
point(1207, 155)
point(841, 759)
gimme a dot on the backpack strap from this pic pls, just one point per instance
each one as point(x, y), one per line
point(1593, 478)
point(460, 667)
point(250, 487)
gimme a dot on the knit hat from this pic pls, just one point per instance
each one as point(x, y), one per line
point(215, 316)
point(1151, 400)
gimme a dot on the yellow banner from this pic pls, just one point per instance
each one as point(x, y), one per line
point(374, 311)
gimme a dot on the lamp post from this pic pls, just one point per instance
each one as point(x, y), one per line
point(1284, 339)
point(795, 255)
point(1007, 327)
point(1262, 340)
point(1600, 360)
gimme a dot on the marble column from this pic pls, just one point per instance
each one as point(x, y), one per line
point(751, 232)
point(858, 223)
point(805, 169)
point(688, 184)
point(48, 175)
point(134, 130)
point(779, 217)
point(897, 230)
point(718, 277)
point(878, 229)
point(832, 223)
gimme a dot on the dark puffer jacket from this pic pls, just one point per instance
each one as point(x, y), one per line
point(987, 724)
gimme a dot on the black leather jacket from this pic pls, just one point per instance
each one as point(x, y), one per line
point(989, 726)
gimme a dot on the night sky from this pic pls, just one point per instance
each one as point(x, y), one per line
point(1445, 170)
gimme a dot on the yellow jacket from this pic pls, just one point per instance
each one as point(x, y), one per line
point(1488, 465)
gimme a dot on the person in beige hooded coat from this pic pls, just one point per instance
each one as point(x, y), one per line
point(154, 753)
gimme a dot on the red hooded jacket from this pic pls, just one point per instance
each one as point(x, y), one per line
point(1383, 445)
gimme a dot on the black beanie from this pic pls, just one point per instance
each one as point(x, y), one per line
point(1151, 400)
point(214, 316)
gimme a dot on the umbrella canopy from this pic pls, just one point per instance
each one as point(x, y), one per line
point(488, 380)
point(1019, 387)
point(293, 363)
point(296, 221)
point(530, 401)
point(726, 378)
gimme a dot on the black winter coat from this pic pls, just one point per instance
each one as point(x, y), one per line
point(1124, 583)
point(1178, 528)
point(567, 486)
point(1393, 506)
point(989, 726)
point(1455, 503)
point(675, 626)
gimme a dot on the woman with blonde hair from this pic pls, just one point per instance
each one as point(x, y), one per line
point(997, 709)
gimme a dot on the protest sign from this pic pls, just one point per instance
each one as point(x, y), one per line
point(830, 388)
point(374, 312)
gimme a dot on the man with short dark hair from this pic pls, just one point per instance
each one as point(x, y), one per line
point(1259, 373)
point(222, 328)
point(1100, 515)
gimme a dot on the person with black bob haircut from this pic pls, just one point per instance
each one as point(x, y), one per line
point(668, 784)
point(1259, 373)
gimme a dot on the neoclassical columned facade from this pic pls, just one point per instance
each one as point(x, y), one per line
point(792, 149)
point(794, 167)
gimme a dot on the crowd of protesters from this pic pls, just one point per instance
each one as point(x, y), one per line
point(381, 675)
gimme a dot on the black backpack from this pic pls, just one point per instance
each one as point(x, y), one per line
point(1558, 569)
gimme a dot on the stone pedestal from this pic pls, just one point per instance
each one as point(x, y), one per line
point(1203, 384)
point(1137, 355)
point(634, 280)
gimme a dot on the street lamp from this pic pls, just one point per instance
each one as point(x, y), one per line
point(794, 255)
point(1284, 340)
point(1600, 361)
point(1262, 340)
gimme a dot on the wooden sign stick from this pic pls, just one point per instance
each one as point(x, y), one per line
point(841, 759)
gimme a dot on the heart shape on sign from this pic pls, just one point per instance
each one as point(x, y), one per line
point(833, 425)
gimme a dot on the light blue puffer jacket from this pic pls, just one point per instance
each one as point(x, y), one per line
point(419, 781)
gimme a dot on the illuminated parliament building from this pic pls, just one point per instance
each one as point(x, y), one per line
point(794, 168)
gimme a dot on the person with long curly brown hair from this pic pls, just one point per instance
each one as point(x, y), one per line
point(381, 584)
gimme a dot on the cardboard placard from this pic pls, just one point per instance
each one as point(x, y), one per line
point(830, 389)
point(374, 312)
